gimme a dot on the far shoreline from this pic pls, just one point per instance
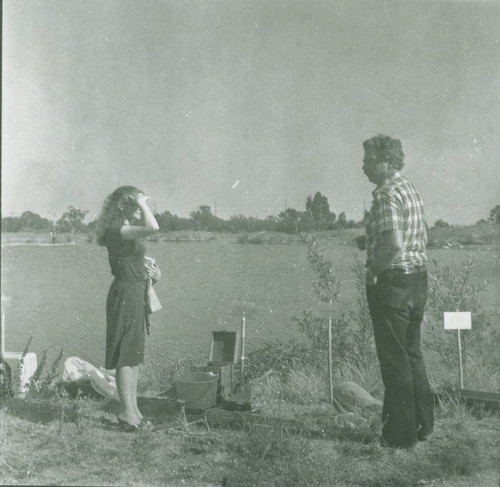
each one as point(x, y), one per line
point(452, 237)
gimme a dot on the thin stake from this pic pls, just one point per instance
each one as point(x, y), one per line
point(2, 333)
point(460, 368)
point(243, 349)
point(333, 401)
point(330, 361)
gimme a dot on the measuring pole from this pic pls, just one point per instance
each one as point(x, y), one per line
point(243, 349)
point(330, 361)
point(460, 367)
point(2, 335)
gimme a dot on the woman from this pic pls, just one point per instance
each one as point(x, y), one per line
point(126, 219)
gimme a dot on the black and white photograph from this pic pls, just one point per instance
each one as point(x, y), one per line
point(250, 243)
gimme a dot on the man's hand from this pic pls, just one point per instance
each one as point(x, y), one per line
point(361, 242)
point(370, 278)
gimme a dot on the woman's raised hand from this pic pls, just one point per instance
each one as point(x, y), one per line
point(139, 198)
point(148, 225)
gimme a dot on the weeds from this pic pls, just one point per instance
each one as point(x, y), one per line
point(157, 376)
point(17, 378)
point(352, 336)
point(42, 383)
point(456, 291)
point(280, 358)
point(275, 457)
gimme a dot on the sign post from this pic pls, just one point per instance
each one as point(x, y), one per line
point(458, 321)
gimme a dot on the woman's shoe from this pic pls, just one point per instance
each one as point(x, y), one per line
point(145, 423)
point(130, 428)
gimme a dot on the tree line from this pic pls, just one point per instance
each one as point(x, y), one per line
point(316, 216)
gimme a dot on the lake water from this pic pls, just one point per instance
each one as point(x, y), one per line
point(59, 294)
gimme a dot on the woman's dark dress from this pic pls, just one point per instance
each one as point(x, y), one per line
point(125, 313)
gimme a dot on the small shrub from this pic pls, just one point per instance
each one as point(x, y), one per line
point(42, 382)
point(34, 385)
point(280, 357)
point(305, 385)
point(451, 290)
point(352, 335)
point(156, 376)
point(242, 239)
point(16, 377)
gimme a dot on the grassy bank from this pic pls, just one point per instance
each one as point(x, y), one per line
point(63, 441)
point(52, 438)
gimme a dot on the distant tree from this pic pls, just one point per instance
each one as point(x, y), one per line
point(240, 223)
point(342, 221)
point(271, 223)
point(203, 218)
point(495, 214)
point(441, 224)
point(289, 221)
point(11, 224)
point(33, 221)
point(72, 220)
point(168, 222)
point(319, 209)
point(28, 221)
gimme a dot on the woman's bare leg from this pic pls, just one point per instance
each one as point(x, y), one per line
point(134, 390)
point(126, 383)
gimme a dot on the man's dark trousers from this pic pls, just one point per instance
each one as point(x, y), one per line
point(397, 305)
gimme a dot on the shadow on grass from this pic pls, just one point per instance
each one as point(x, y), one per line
point(37, 411)
point(158, 410)
point(43, 411)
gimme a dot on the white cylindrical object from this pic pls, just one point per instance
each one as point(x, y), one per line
point(330, 361)
point(2, 334)
point(243, 349)
point(460, 368)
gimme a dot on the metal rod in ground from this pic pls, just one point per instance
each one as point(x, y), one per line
point(2, 335)
point(333, 401)
point(330, 361)
point(243, 349)
point(460, 368)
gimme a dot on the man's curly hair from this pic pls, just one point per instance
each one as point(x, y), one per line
point(387, 149)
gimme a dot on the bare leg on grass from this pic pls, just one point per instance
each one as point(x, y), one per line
point(126, 383)
point(134, 390)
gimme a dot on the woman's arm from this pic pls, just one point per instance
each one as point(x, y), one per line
point(149, 224)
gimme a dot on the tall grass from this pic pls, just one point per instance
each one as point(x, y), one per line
point(451, 290)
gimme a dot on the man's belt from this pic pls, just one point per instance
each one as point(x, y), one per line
point(411, 270)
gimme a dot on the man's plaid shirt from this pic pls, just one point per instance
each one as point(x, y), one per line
point(397, 205)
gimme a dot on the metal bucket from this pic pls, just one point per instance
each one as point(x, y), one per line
point(197, 390)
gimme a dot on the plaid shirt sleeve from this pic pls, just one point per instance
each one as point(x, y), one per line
point(387, 212)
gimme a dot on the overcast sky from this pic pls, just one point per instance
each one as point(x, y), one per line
point(251, 104)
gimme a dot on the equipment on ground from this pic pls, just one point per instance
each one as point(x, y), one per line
point(16, 368)
point(233, 391)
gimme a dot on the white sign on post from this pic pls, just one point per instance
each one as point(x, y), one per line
point(457, 321)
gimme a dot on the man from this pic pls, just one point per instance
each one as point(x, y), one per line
point(396, 288)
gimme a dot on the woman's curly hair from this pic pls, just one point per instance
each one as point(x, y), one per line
point(112, 213)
